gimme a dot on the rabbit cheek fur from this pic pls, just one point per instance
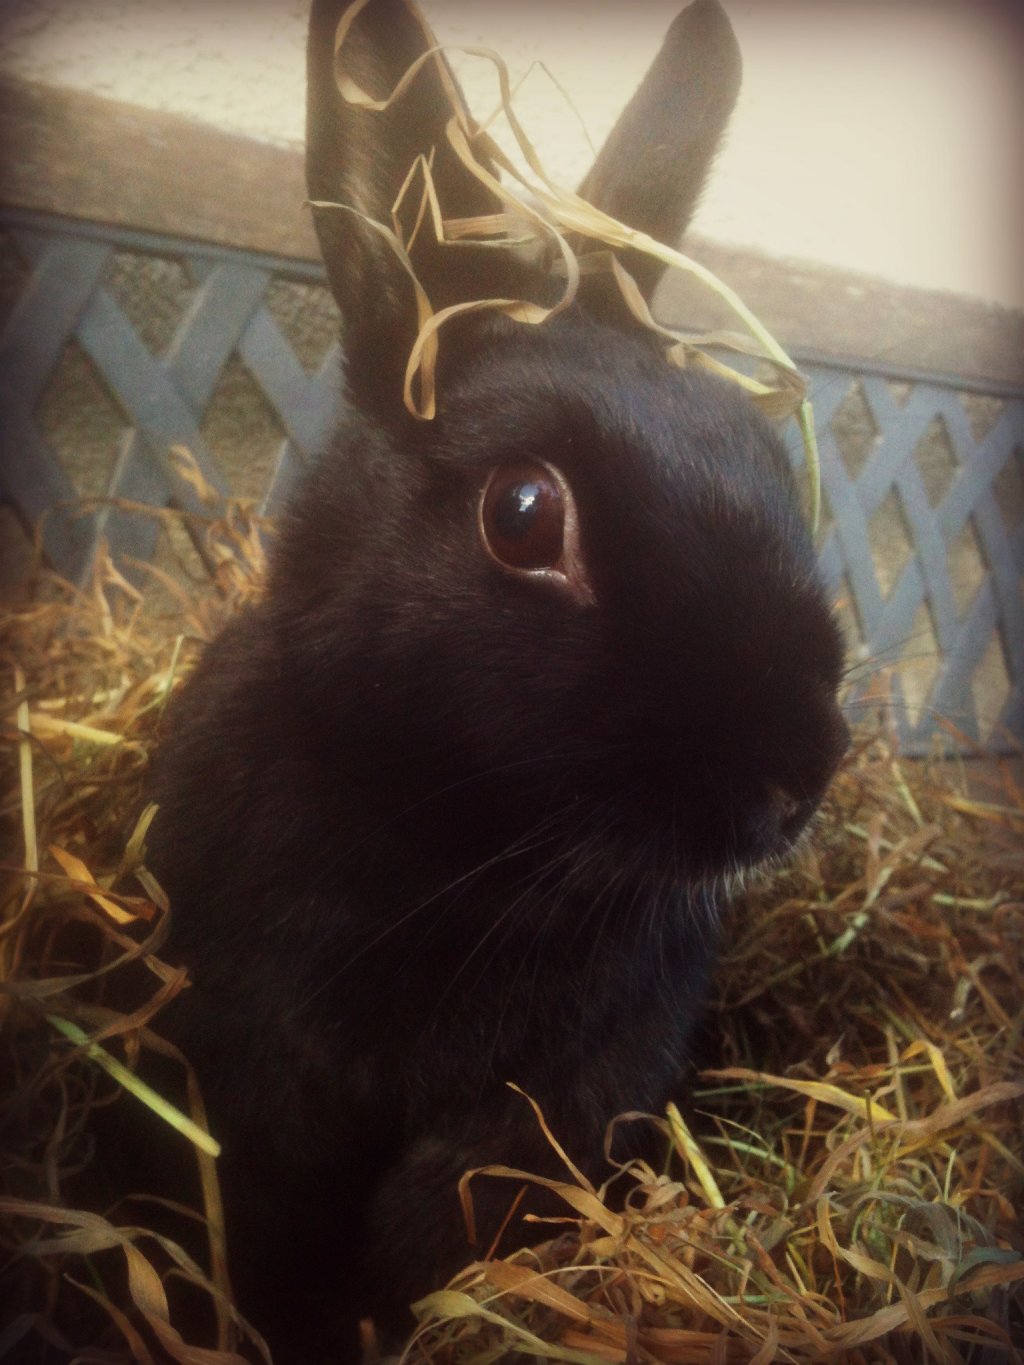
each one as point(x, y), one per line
point(428, 824)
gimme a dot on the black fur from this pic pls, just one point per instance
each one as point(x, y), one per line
point(428, 826)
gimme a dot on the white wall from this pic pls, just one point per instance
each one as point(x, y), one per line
point(886, 136)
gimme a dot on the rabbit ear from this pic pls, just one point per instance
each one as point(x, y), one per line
point(361, 158)
point(650, 171)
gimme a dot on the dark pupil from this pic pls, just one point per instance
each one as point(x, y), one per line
point(523, 517)
point(517, 510)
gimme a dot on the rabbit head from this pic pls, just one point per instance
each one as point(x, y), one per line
point(579, 608)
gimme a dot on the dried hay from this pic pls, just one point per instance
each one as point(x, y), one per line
point(92, 672)
point(846, 1185)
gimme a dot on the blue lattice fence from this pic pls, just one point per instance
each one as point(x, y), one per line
point(71, 327)
point(924, 485)
point(118, 346)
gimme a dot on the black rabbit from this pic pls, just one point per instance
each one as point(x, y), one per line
point(452, 806)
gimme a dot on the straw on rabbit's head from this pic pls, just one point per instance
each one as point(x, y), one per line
point(581, 600)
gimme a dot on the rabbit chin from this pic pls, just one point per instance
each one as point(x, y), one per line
point(699, 854)
point(713, 833)
point(644, 853)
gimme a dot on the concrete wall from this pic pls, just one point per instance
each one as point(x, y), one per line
point(882, 136)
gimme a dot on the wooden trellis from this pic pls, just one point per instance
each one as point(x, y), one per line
point(67, 307)
point(925, 546)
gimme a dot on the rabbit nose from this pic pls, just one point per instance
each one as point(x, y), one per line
point(774, 820)
point(781, 808)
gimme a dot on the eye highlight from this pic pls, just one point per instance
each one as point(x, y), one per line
point(522, 517)
point(529, 526)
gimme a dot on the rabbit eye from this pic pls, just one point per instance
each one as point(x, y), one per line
point(522, 517)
